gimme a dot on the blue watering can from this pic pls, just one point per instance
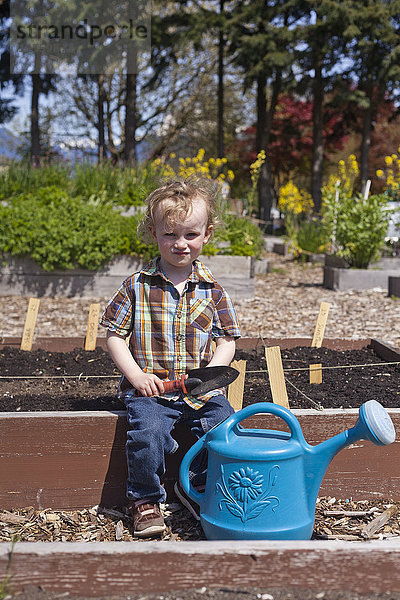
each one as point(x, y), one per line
point(263, 484)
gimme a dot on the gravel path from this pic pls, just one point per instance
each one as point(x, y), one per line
point(286, 304)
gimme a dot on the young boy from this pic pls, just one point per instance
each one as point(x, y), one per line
point(172, 309)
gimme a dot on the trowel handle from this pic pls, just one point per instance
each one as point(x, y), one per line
point(184, 470)
point(232, 423)
point(175, 385)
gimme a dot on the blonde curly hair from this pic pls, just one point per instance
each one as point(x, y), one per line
point(177, 198)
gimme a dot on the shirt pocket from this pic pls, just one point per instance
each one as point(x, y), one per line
point(201, 312)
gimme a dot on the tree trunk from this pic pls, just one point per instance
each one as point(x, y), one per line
point(101, 150)
point(264, 122)
point(366, 137)
point(35, 130)
point(130, 116)
point(318, 138)
point(220, 116)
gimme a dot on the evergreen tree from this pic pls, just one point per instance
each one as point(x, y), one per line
point(320, 58)
point(7, 79)
point(262, 38)
point(374, 31)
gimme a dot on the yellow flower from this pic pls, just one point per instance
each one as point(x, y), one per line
point(380, 173)
point(388, 161)
point(172, 155)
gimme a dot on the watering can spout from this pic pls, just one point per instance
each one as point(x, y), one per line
point(373, 424)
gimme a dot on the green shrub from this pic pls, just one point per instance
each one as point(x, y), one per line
point(311, 236)
point(21, 178)
point(66, 233)
point(241, 236)
point(114, 184)
point(359, 226)
point(65, 221)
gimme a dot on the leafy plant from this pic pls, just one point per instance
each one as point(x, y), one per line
point(21, 178)
point(358, 226)
point(255, 169)
point(311, 236)
point(237, 237)
point(303, 232)
point(213, 168)
point(391, 175)
point(59, 232)
point(107, 183)
point(66, 218)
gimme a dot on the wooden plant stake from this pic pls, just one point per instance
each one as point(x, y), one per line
point(320, 325)
point(93, 321)
point(236, 388)
point(316, 373)
point(366, 190)
point(30, 322)
point(276, 376)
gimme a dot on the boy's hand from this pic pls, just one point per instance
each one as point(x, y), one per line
point(148, 384)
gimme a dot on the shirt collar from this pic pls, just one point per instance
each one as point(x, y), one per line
point(199, 271)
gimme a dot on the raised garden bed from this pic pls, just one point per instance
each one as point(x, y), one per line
point(44, 380)
point(43, 452)
point(338, 276)
point(24, 277)
point(68, 460)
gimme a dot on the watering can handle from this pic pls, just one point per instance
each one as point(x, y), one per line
point(266, 407)
point(185, 467)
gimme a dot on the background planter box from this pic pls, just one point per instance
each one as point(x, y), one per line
point(357, 279)
point(338, 276)
point(77, 459)
point(24, 277)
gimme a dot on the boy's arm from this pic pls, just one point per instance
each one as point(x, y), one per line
point(146, 383)
point(224, 351)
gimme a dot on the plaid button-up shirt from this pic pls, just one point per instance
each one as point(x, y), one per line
point(171, 333)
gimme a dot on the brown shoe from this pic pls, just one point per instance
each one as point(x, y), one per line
point(147, 520)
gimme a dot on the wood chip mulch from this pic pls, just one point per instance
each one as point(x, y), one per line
point(335, 520)
point(90, 525)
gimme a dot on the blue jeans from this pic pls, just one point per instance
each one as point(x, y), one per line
point(149, 439)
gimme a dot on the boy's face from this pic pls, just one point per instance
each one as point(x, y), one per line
point(181, 243)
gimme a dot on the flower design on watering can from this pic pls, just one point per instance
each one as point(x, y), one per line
point(246, 484)
point(243, 494)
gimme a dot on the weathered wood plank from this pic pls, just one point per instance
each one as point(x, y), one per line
point(100, 569)
point(65, 344)
point(75, 460)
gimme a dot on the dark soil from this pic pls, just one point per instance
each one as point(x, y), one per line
point(80, 380)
